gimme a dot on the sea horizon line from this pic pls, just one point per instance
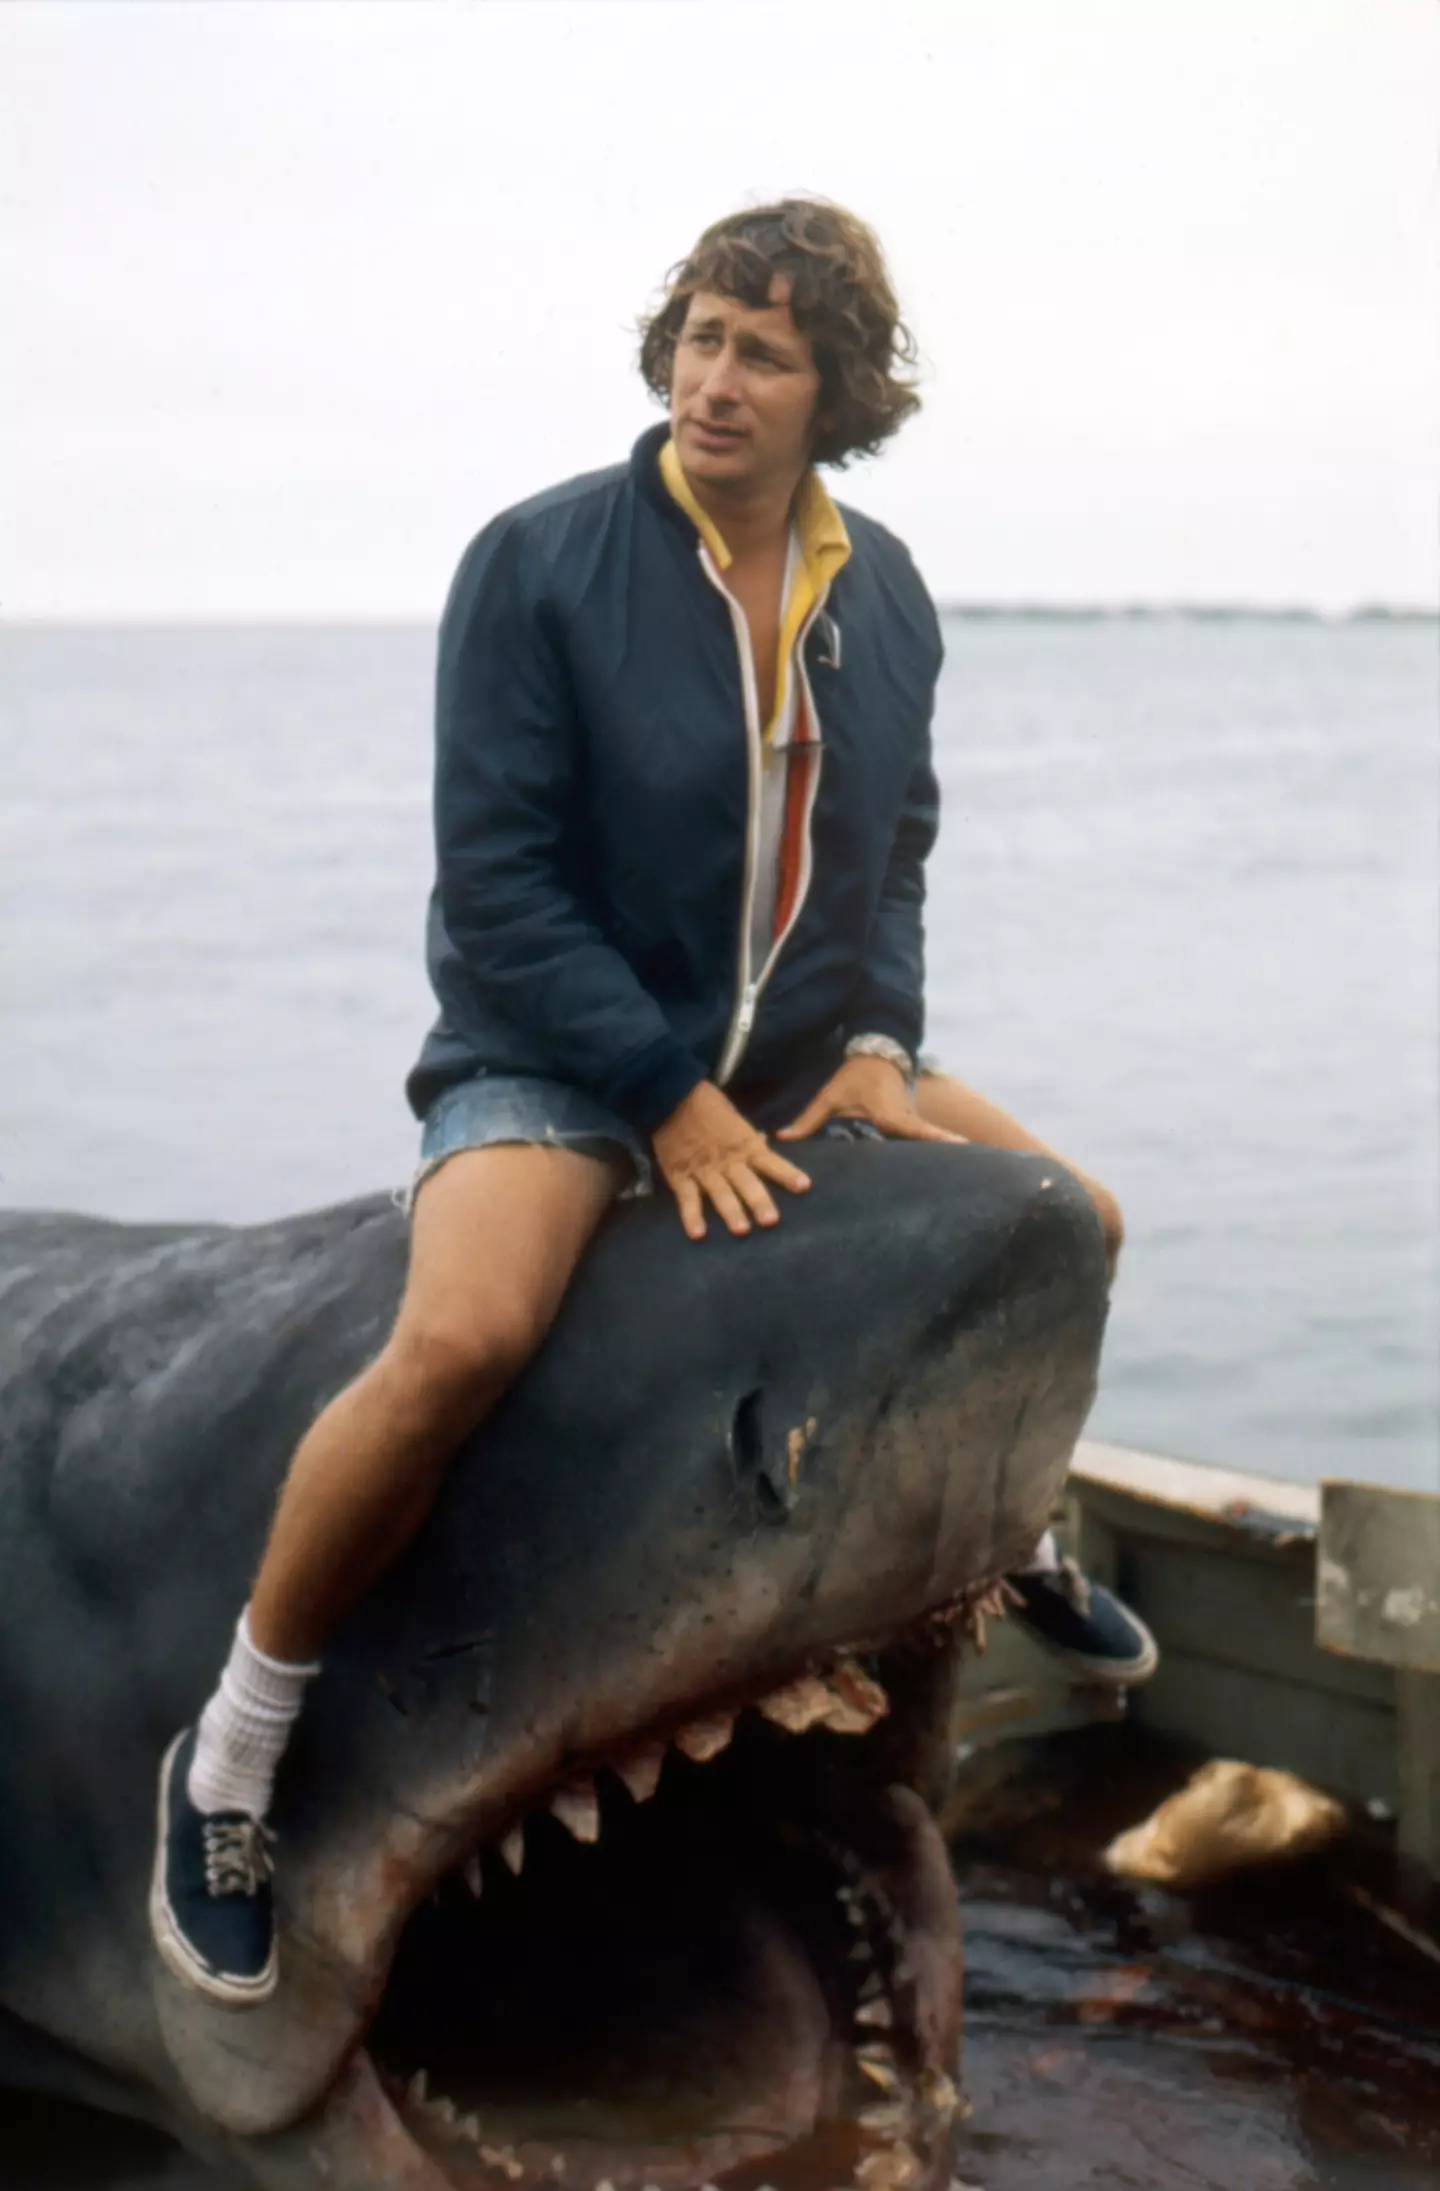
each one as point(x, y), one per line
point(965, 611)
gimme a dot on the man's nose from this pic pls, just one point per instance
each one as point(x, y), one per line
point(721, 385)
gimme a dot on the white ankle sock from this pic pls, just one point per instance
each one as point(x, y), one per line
point(1045, 1559)
point(245, 1727)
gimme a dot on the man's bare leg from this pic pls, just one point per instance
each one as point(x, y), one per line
point(949, 1103)
point(497, 1235)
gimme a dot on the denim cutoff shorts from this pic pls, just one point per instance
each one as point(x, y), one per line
point(491, 1108)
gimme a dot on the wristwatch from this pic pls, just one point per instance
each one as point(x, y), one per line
point(894, 1053)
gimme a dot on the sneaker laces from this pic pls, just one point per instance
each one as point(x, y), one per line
point(237, 1860)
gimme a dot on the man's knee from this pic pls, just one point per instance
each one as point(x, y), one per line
point(1111, 1217)
point(446, 1374)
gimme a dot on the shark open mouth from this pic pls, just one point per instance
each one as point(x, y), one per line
point(732, 1953)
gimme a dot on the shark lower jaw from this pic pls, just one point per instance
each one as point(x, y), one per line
point(730, 1951)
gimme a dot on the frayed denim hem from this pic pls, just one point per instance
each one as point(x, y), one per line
point(641, 1183)
point(493, 1110)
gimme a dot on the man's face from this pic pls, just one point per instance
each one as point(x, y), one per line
point(744, 391)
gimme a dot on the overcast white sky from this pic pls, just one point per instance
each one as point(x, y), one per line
point(296, 295)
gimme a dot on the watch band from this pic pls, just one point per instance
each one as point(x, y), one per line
point(894, 1053)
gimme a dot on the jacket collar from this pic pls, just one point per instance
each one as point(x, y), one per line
point(824, 541)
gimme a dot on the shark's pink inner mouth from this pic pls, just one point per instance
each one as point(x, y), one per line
point(719, 1953)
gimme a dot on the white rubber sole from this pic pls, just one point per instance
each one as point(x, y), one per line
point(1101, 1673)
point(174, 1949)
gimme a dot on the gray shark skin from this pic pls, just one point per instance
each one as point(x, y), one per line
point(727, 1520)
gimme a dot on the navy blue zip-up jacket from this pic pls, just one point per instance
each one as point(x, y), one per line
point(592, 804)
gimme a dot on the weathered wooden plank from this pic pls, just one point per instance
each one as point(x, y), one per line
point(1250, 1614)
point(1417, 1704)
point(1048, 1707)
point(1259, 1535)
point(1341, 1743)
point(1218, 1494)
point(1379, 1575)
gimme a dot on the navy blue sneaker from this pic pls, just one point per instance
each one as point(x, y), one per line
point(1084, 1625)
point(210, 1904)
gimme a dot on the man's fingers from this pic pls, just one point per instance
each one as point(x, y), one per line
point(780, 1169)
point(753, 1193)
point(814, 1114)
point(691, 1207)
point(909, 1126)
point(726, 1201)
point(898, 1125)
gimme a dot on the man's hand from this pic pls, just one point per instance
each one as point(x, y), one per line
point(870, 1088)
point(706, 1150)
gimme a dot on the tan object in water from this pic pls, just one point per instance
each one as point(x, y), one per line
point(1226, 1818)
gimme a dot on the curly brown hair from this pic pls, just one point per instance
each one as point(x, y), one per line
point(840, 298)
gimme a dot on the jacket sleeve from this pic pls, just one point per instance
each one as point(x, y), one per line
point(889, 998)
point(505, 790)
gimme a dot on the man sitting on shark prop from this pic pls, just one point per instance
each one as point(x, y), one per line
point(684, 798)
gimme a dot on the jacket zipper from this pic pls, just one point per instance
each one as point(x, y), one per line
point(807, 860)
point(742, 1019)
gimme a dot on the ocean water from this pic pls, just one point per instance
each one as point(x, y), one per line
point(1183, 922)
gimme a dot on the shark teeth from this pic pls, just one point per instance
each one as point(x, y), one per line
point(443, 2114)
point(889, 2121)
point(939, 2094)
point(847, 1702)
point(889, 2170)
point(702, 1739)
point(641, 1770)
point(878, 2064)
point(876, 2014)
point(578, 1809)
point(798, 1706)
point(503, 2158)
point(862, 1700)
